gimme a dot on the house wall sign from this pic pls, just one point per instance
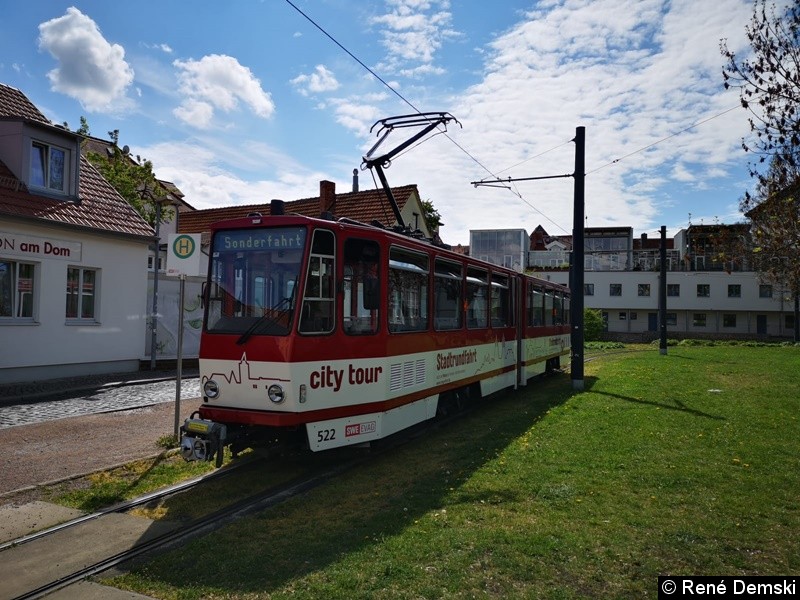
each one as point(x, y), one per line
point(30, 246)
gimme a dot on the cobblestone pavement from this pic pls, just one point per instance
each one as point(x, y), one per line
point(92, 398)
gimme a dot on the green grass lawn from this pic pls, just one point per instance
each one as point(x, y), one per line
point(679, 464)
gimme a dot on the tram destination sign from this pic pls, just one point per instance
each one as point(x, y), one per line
point(261, 239)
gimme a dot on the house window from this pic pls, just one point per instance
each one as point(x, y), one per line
point(81, 293)
point(734, 290)
point(672, 319)
point(633, 316)
point(703, 290)
point(588, 289)
point(623, 316)
point(643, 289)
point(699, 320)
point(765, 291)
point(673, 290)
point(49, 167)
point(17, 289)
point(728, 320)
point(615, 289)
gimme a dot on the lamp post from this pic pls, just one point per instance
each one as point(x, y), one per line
point(154, 315)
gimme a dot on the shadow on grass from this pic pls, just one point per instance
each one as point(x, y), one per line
point(358, 510)
point(678, 405)
point(113, 492)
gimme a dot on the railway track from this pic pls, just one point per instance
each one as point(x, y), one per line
point(30, 552)
point(50, 542)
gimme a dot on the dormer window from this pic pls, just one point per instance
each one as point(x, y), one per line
point(49, 166)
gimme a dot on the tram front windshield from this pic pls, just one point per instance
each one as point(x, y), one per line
point(254, 275)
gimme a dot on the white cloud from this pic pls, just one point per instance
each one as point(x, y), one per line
point(218, 82)
point(633, 74)
point(413, 31)
point(321, 80)
point(165, 48)
point(208, 180)
point(91, 70)
point(355, 115)
point(195, 112)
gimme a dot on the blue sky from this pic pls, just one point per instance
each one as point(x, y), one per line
point(244, 101)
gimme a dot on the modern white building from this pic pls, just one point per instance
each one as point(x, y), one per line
point(73, 256)
point(706, 296)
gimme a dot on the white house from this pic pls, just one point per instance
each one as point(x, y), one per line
point(73, 256)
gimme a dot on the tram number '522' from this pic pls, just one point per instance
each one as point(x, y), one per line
point(326, 435)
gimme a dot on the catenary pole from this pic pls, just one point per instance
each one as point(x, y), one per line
point(576, 280)
point(576, 268)
point(662, 292)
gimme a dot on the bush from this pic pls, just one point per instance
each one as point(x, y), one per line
point(593, 324)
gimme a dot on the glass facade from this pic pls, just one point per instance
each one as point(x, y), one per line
point(504, 247)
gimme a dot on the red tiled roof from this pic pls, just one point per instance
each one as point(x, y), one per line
point(14, 103)
point(99, 205)
point(366, 206)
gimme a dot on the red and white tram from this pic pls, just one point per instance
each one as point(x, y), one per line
point(343, 333)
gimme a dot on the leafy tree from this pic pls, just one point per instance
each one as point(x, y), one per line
point(775, 229)
point(769, 89)
point(433, 220)
point(132, 177)
point(84, 128)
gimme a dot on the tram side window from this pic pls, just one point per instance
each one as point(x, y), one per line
point(408, 290)
point(501, 301)
point(318, 300)
point(447, 294)
point(558, 309)
point(361, 287)
point(535, 305)
point(477, 298)
point(567, 312)
point(549, 306)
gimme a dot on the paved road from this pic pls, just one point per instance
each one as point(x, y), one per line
point(99, 399)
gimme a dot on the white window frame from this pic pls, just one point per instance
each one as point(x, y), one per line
point(66, 167)
point(80, 293)
point(16, 298)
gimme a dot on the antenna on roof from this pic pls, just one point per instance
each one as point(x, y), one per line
point(431, 120)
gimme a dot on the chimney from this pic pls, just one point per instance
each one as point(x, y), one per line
point(327, 196)
point(644, 240)
point(276, 208)
point(355, 180)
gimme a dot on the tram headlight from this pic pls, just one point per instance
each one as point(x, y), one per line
point(275, 393)
point(211, 389)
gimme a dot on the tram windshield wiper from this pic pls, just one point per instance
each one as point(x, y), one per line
point(270, 316)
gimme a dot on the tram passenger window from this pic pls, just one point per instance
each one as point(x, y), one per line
point(447, 286)
point(568, 313)
point(317, 315)
point(408, 290)
point(361, 304)
point(549, 305)
point(501, 301)
point(558, 309)
point(477, 298)
point(535, 305)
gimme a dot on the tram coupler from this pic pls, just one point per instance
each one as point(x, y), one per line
point(202, 439)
